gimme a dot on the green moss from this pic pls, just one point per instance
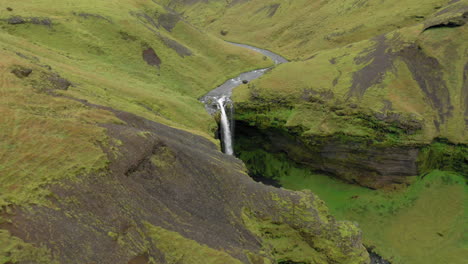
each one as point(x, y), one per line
point(282, 241)
point(441, 155)
point(178, 249)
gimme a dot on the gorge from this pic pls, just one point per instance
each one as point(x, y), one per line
point(351, 147)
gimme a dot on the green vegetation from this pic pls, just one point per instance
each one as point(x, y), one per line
point(181, 250)
point(381, 75)
point(100, 50)
point(423, 223)
point(298, 29)
point(442, 155)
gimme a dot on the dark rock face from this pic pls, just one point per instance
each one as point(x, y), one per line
point(353, 161)
point(150, 56)
point(16, 20)
point(180, 182)
point(21, 72)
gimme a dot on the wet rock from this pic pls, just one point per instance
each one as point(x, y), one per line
point(21, 72)
point(245, 82)
point(150, 56)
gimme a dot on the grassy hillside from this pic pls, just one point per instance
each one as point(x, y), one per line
point(297, 29)
point(130, 55)
point(93, 51)
point(99, 46)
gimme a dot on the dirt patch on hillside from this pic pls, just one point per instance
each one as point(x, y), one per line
point(150, 56)
point(378, 61)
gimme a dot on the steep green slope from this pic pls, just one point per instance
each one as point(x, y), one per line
point(99, 48)
point(51, 51)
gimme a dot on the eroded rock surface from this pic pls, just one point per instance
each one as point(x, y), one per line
point(160, 178)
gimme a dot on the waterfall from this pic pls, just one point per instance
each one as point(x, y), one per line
point(225, 126)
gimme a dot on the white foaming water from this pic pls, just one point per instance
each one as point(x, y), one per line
point(225, 127)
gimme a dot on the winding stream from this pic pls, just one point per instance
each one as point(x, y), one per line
point(219, 99)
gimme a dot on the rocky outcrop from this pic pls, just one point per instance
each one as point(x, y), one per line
point(164, 185)
point(353, 160)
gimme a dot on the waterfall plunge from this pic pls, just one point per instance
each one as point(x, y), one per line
point(225, 127)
